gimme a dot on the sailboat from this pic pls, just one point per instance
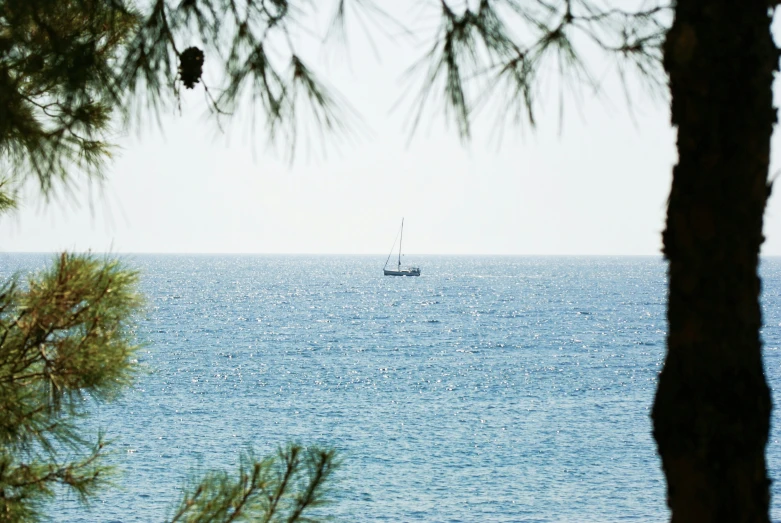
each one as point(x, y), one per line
point(400, 271)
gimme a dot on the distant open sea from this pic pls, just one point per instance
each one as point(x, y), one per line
point(502, 389)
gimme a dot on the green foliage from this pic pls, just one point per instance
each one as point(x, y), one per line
point(498, 50)
point(251, 46)
point(58, 85)
point(65, 334)
point(65, 337)
point(483, 49)
point(66, 340)
point(281, 487)
point(7, 200)
point(68, 70)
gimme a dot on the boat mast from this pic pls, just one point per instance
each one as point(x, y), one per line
point(401, 237)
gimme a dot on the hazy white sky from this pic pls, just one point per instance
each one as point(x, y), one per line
point(597, 187)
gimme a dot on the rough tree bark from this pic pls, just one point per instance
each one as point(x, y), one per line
point(711, 415)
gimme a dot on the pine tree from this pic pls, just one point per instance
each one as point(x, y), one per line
point(712, 410)
point(67, 333)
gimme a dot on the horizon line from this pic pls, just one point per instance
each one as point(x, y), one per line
point(223, 253)
point(255, 253)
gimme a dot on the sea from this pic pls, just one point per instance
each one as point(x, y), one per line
point(491, 389)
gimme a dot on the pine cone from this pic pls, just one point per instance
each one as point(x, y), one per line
point(190, 66)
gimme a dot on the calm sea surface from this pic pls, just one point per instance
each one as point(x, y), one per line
point(489, 389)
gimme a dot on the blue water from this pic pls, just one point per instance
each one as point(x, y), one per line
point(489, 389)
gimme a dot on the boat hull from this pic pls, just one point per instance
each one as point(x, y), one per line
point(403, 272)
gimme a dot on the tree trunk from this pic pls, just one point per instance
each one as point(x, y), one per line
point(711, 415)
